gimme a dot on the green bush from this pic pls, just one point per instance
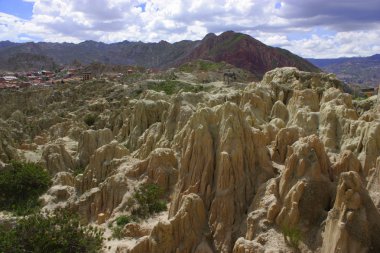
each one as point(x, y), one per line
point(78, 170)
point(58, 232)
point(292, 236)
point(90, 119)
point(123, 220)
point(117, 232)
point(149, 199)
point(20, 186)
point(171, 87)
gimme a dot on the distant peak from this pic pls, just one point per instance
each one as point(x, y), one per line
point(209, 35)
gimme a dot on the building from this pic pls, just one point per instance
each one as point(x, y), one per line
point(86, 76)
point(369, 91)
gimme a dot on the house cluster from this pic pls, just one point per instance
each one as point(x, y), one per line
point(10, 80)
point(369, 91)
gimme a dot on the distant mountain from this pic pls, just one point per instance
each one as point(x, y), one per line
point(363, 71)
point(245, 52)
point(238, 49)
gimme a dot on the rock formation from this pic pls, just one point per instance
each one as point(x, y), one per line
point(288, 164)
point(354, 221)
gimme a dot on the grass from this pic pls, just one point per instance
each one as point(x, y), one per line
point(360, 98)
point(171, 87)
point(20, 187)
point(292, 236)
point(201, 65)
point(117, 232)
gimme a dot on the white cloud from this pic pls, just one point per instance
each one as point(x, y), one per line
point(346, 32)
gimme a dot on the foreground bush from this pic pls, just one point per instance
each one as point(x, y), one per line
point(58, 232)
point(20, 186)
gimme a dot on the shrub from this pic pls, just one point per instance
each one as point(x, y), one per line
point(78, 170)
point(90, 119)
point(117, 232)
point(59, 232)
point(20, 186)
point(149, 198)
point(292, 236)
point(173, 86)
point(123, 220)
point(169, 87)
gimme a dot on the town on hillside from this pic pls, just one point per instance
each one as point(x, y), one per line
point(44, 78)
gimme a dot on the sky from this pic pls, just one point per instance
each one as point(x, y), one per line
point(309, 28)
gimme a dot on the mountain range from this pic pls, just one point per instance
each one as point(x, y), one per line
point(238, 49)
point(362, 71)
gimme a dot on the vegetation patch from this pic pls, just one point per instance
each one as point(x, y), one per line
point(20, 186)
point(202, 65)
point(147, 200)
point(78, 170)
point(90, 119)
point(292, 236)
point(59, 232)
point(171, 87)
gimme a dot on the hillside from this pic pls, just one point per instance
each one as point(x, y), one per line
point(246, 52)
point(237, 49)
point(363, 71)
point(170, 162)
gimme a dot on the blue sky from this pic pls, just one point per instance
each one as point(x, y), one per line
point(310, 28)
point(18, 8)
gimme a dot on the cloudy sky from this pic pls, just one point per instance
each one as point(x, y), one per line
point(310, 28)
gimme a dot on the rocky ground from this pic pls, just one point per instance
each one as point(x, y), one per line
point(288, 164)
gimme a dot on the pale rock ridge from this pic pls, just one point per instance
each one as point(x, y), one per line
point(67, 128)
point(144, 114)
point(224, 161)
point(91, 140)
point(104, 199)
point(373, 184)
point(185, 232)
point(368, 148)
point(279, 110)
point(307, 99)
point(284, 139)
point(55, 159)
point(336, 115)
point(257, 102)
point(160, 167)
point(298, 198)
point(304, 188)
point(62, 194)
point(290, 77)
point(103, 163)
point(353, 224)
point(149, 139)
point(303, 110)
point(346, 161)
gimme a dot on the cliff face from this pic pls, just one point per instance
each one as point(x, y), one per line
point(287, 164)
